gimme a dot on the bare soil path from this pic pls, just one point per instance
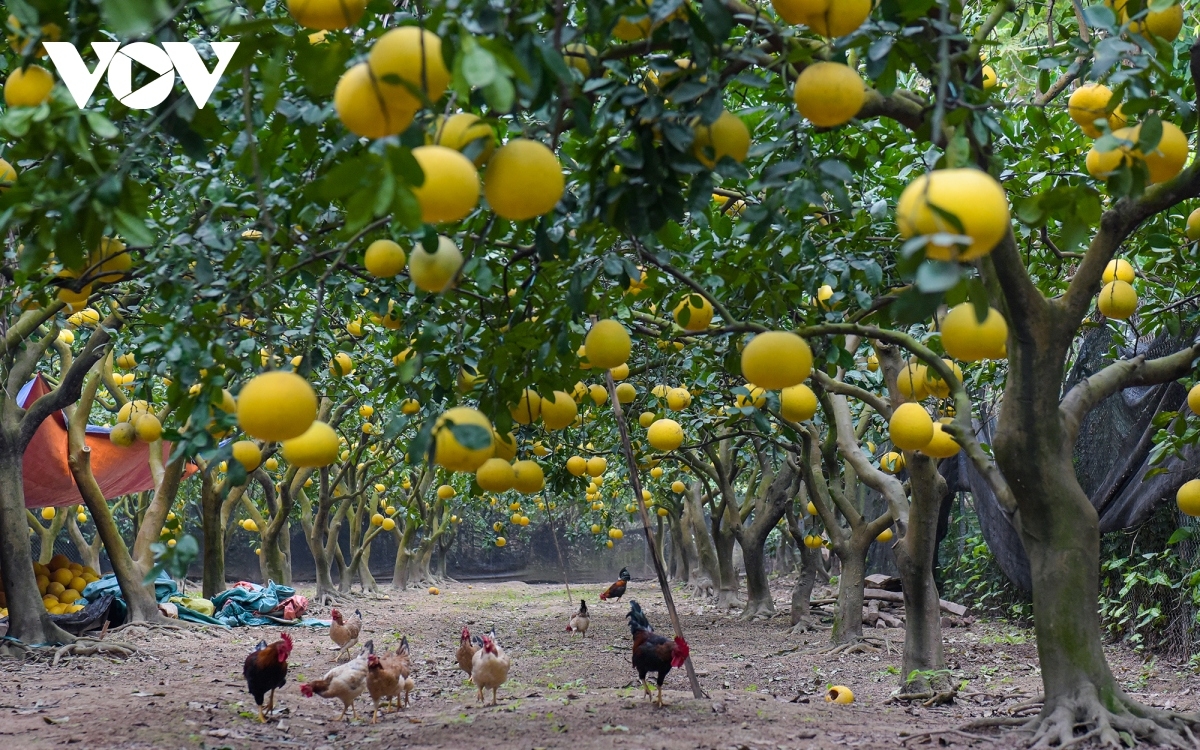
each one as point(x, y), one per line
point(766, 688)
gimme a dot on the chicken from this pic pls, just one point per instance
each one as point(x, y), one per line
point(467, 646)
point(489, 667)
point(617, 590)
point(388, 675)
point(265, 671)
point(345, 632)
point(344, 682)
point(579, 621)
point(653, 652)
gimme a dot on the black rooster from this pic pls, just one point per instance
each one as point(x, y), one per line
point(653, 652)
point(265, 670)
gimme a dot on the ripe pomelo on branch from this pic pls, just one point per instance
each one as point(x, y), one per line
point(665, 435)
point(558, 410)
point(841, 18)
point(528, 408)
point(608, 344)
point(451, 186)
point(462, 130)
point(327, 15)
point(776, 359)
point(528, 477)
point(941, 445)
point(798, 403)
point(829, 94)
point(317, 447)
point(450, 452)
point(434, 272)
point(384, 259)
point(728, 136)
point(246, 453)
point(364, 108)
point(276, 406)
point(1117, 300)
point(1089, 103)
point(495, 475)
point(414, 56)
point(974, 198)
point(1119, 268)
point(28, 87)
point(699, 312)
point(911, 427)
point(965, 338)
point(524, 180)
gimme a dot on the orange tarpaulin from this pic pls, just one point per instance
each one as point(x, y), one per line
point(47, 478)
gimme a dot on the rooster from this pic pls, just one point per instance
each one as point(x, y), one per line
point(489, 667)
point(653, 652)
point(579, 621)
point(344, 682)
point(345, 632)
point(467, 646)
point(265, 671)
point(617, 590)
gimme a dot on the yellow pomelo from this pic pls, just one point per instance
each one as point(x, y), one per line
point(1188, 498)
point(798, 403)
point(646, 418)
point(911, 381)
point(366, 411)
point(576, 466)
point(317, 447)
point(415, 56)
point(528, 477)
point(501, 541)
point(842, 17)
point(665, 435)
point(384, 259)
point(1193, 399)
point(8, 174)
point(327, 14)
point(1089, 103)
point(131, 410)
point(776, 359)
point(246, 453)
point(988, 74)
point(558, 410)
point(389, 524)
point(1170, 156)
point(829, 94)
point(976, 200)
point(528, 408)
point(29, 87)
point(965, 338)
point(798, 11)
point(410, 406)
point(123, 434)
point(580, 57)
point(941, 445)
point(626, 393)
point(608, 344)
point(276, 406)
point(598, 394)
point(524, 180)
point(700, 312)
point(461, 130)
point(934, 383)
point(884, 536)
point(127, 361)
point(678, 399)
point(911, 427)
point(453, 455)
point(620, 372)
point(1119, 269)
point(892, 462)
point(633, 28)
point(678, 487)
point(365, 110)
point(434, 272)
point(596, 465)
point(110, 262)
point(1193, 225)
point(1164, 24)
point(445, 491)
point(1117, 300)
point(147, 428)
point(341, 365)
point(451, 186)
point(728, 136)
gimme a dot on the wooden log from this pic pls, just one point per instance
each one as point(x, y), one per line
point(894, 596)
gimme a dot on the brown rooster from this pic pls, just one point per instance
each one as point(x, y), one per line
point(467, 646)
point(345, 632)
point(265, 671)
point(617, 590)
point(388, 676)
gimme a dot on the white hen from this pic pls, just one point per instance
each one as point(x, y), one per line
point(345, 682)
point(489, 667)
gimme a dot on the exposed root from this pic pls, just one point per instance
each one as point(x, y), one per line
point(928, 736)
point(329, 597)
point(1071, 721)
point(803, 625)
point(856, 646)
point(928, 698)
point(700, 588)
point(1029, 705)
point(94, 647)
point(755, 611)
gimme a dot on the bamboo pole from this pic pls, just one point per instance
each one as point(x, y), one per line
point(636, 483)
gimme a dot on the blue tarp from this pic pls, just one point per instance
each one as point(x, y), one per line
point(234, 607)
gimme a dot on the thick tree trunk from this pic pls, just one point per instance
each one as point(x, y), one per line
point(400, 570)
point(680, 564)
point(847, 620)
point(48, 534)
point(759, 602)
point(89, 553)
point(28, 620)
point(914, 553)
point(707, 573)
point(802, 590)
point(214, 540)
point(727, 581)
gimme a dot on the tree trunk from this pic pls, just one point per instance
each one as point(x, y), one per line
point(214, 539)
point(48, 534)
point(914, 553)
point(727, 590)
point(680, 564)
point(847, 620)
point(759, 603)
point(400, 569)
point(707, 568)
point(28, 620)
point(89, 553)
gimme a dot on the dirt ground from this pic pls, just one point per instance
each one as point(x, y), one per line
point(766, 688)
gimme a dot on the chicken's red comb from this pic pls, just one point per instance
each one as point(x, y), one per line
point(682, 652)
point(306, 690)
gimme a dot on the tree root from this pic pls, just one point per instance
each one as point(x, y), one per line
point(94, 647)
point(329, 597)
point(856, 646)
point(804, 625)
point(928, 736)
point(755, 611)
point(928, 698)
point(1129, 723)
